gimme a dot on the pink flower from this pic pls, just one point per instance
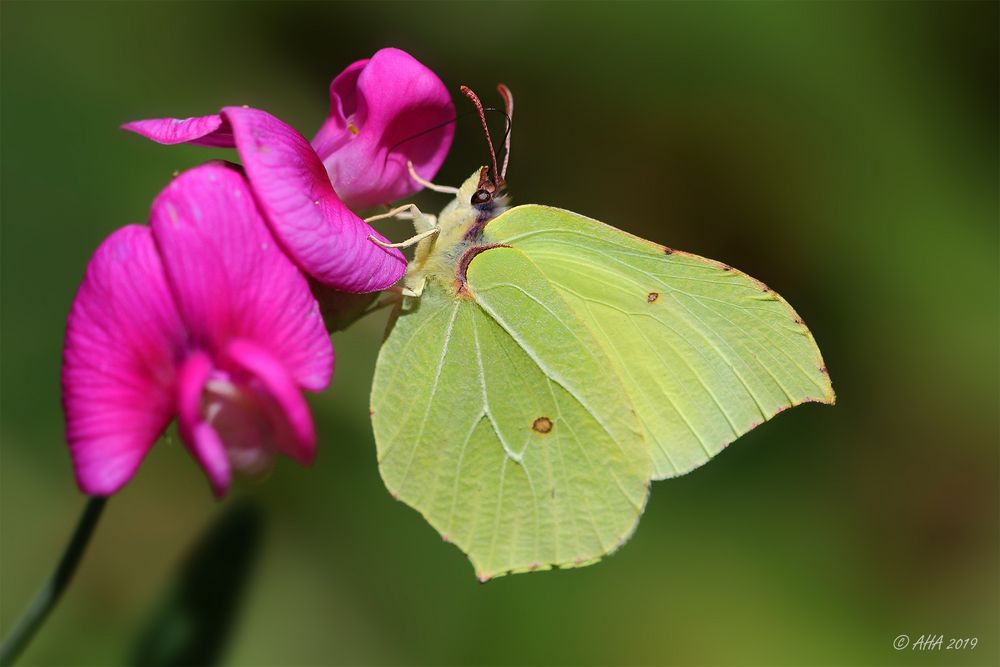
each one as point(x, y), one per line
point(199, 316)
point(381, 111)
point(375, 105)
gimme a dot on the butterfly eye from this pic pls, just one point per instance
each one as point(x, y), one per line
point(481, 196)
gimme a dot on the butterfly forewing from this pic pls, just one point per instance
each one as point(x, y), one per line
point(705, 352)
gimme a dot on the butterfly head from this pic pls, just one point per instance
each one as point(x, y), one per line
point(482, 194)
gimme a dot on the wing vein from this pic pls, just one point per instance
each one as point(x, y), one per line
point(430, 400)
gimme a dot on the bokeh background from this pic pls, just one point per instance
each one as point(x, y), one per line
point(845, 153)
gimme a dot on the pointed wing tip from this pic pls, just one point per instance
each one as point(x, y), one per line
point(830, 397)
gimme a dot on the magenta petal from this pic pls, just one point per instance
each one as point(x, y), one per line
point(123, 338)
point(199, 436)
point(374, 106)
point(293, 188)
point(315, 227)
point(230, 278)
point(288, 411)
point(200, 130)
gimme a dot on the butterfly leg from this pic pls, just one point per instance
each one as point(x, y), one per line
point(421, 221)
point(404, 212)
point(396, 293)
point(416, 288)
point(413, 240)
point(447, 189)
point(424, 224)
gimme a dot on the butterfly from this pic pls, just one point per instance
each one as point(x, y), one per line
point(542, 368)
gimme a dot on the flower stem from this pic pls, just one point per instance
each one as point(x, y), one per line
point(49, 595)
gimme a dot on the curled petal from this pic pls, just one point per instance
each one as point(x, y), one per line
point(314, 226)
point(200, 130)
point(287, 412)
point(237, 414)
point(338, 128)
point(390, 102)
point(229, 277)
point(200, 437)
point(123, 339)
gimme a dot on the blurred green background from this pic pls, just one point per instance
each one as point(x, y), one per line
point(845, 153)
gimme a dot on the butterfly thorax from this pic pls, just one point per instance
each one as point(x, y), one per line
point(461, 223)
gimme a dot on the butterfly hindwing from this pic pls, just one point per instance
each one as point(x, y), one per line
point(500, 417)
point(706, 353)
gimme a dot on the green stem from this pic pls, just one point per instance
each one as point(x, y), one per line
point(49, 595)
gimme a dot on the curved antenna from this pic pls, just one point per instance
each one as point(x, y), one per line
point(497, 180)
point(508, 102)
point(439, 126)
point(422, 133)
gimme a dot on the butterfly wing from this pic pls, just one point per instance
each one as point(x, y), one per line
point(705, 352)
point(499, 417)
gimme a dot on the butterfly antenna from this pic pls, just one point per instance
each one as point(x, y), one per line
point(497, 180)
point(422, 133)
point(508, 102)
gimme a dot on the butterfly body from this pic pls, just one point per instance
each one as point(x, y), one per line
point(461, 224)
